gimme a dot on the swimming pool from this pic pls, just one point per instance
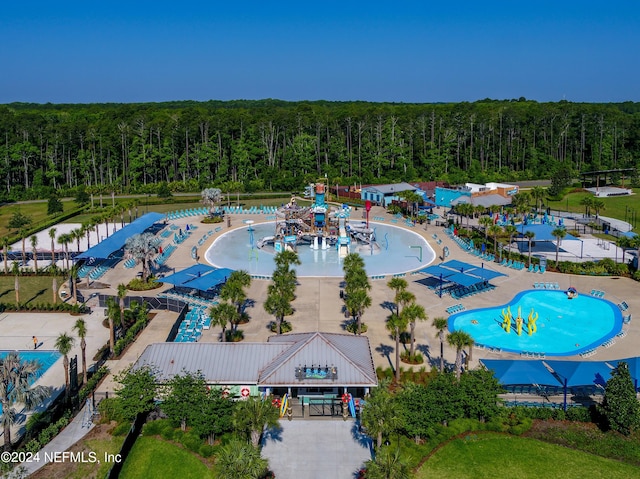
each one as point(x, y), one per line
point(401, 250)
point(565, 326)
point(45, 358)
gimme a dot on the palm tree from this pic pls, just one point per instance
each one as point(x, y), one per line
point(413, 312)
point(5, 250)
point(81, 329)
point(239, 460)
point(34, 245)
point(142, 247)
point(486, 222)
point(388, 464)
point(253, 415)
point(112, 310)
point(77, 234)
point(64, 239)
point(64, 344)
point(23, 235)
point(16, 283)
point(233, 289)
point(441, 324)
point(97, 220)
point(587, 202)
point(598, 205)
point(397, 285)
point(52, 235)
point(511, 232)
point(280, 293)
point(558, 233)
point(538, 193)
point(529, 235)
point(222, 314)
point(381, 417)
point(495, 231)
point(88, 227)
point(16, 379)
point(54, 287)
point(458, 340)
point(396, 324)
point(122, 293)
point(73, 277)
point(356, 302)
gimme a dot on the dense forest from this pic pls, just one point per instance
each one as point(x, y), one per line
point(277, 145)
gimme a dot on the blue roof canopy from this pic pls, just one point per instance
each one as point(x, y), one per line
point(520, 371)
point(459, 272)
point(542, 232)
point(582, 373)
point(199, 276)
point(116, 241)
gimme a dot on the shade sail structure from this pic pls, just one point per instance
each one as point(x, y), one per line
point(117, 240)
point(582, 373)
point(459, 272)
point(201, 277)
point(542, 232)
point(524, 371)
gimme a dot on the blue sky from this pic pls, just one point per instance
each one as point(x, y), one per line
point(402, 51)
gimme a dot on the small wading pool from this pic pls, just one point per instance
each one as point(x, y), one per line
point(564, 327)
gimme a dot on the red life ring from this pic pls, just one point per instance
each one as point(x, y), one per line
point(346, 397)
point(244, 392)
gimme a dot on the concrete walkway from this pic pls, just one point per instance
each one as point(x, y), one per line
point(75, 430)
point(316, 449)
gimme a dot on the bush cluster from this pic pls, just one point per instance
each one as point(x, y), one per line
point(71, 308)
point(92, 383)
point(130, 335)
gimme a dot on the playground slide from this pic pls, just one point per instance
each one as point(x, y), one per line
point(343, 243)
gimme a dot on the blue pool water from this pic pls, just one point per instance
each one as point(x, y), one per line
point(45, 358)
point(565, 326)
point(398, 253)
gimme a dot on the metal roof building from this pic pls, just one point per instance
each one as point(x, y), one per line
point(318, 360)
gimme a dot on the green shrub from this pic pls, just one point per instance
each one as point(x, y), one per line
point(415, 358)
point(285, 327)
point(352, 327)
point(191, 441)
point(137, 284)
point(33, 446)
point(155, 428)
point(110, 410)
point(234, 336)
point(168, 433)
point(121, 429)
point(521, 428)
point(92, 382)
point(206, 450)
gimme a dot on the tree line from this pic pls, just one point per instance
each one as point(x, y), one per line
point(277, 145)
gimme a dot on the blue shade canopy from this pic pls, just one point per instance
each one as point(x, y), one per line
point(464, 279)
point(199, 276)
point(437, 270)
point(582, 373)
point(456, 264)
point(542, 232)
point(525, 371)
point(459, 272)
point(116, 241)
point(210, 280)
point(188, 274)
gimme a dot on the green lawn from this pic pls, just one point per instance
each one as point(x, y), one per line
point(615, 206)
point(153, 457)
point(33, 289)
point(496, 456)
point(36, 211)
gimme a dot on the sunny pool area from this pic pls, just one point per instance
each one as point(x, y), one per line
point(565, 326)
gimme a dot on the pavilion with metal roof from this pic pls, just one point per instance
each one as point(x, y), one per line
point(297, 364)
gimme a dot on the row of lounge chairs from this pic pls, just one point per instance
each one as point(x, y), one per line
point(455, 308)
point(623, 306)
point(597, 293)
point(546, 286)
point(191, 327)
point(174, 215)
point(512, 264)
point(536, 268)
point(464, 292)
point(164, 256)
point(532, 355)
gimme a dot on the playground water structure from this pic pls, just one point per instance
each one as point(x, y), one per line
point(565, 327)
point(45, 358)
point(399, 251)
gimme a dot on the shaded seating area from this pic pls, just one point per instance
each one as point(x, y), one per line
point(197, 284)
point(555, 382)
point(461, 279)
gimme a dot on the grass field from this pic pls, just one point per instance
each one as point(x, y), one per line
point(620, 207)
point(153, 457)
point(33, 289)
point(496, 456)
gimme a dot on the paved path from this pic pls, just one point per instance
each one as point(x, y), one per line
point(316, 449)
point(76, 430)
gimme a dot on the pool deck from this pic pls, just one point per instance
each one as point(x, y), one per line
point(318, 306)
